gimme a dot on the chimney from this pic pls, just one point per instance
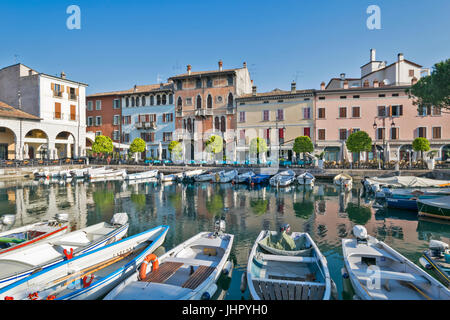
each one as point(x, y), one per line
point(413, 81)
point(161, 85)
point(220, 65)
point(30, 72)
point(346, 84)
point(63, 75)
point(372, 55)
point(366, 83)
point(253, 90)
point(293, 87)
point(245, 64)
point(400, 57)
point(375, 83)
point(189, 69)
point(342, 76)
point(322, 85)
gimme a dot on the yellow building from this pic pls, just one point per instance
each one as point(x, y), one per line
point(278, 117)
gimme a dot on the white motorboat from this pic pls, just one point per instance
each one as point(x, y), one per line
point(191, 174)
point(90, 275)
point(282, 179)
point(306, 178)
point(378, 272)
point(79, 173)
point(244, 177)
point(225, 176)
point(437, 258)
point(170, 177)
point(187, 272)
point(108, 174)
point(210, 176)
point(20, 263)
point(141, 175)
point(287, 267)
point(344, 181)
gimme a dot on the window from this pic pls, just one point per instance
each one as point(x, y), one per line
point(216, 123)
point(98, 120)
point(57, 92)
point(396, 111)
point(266, 115)
point(306, 113)
point(137, 101)
point(170, 98)
point(167, 117)
point(132, 102)
point(422, 132)
point(242, 135)
point(127, 102)
point(116, 104)
point(230, 80)
point(230, 100)
point(126, 137)
point(321, 98)
point(72, 94)
point(436, 111)
point(126, 119)
point(380, 133)
point(395, 94)
point(90, 122)
point(158, 100)
point(73, 113)
point(152, 100)
point(356, 97)
point(342, 112)
point(189, 101)
point(98, 105)
point(179, 85)
point(209, 102)
point(307, 132)
point(321, 113)
point(223, 125)
point(148, 136)
point(436, 132)
point(89, 105)
point(343, 97)
point(167, 136)
point(356, 112)
point(281, 135)
point(98, 133)
point(180, 103)
point(343, 134)
point(198, 83)
point(209, 83)
point(321, 134)
point(164, 99)
point(58, 114)
point(242, 116)
point(395, 133)
point(382, 111)
point(424, 110)
point(144, 101)
point(355, 130)
point(199, 102)
point(116, 135)
point(280, 114)
point(381, 95)
point(116, 120)
point(411, 72)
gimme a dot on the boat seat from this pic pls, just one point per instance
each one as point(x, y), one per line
point(281, 258)
point(164, 272)
point(69, 244)
point(199, 275)
point(393, 275)
point(195, 262)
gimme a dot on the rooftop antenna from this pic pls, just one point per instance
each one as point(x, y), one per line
point(16, 58)
point(297, 74)
point(159, 79)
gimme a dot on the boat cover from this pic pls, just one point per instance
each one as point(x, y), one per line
point(409, 181)
point(441, 202)
point(283, 244)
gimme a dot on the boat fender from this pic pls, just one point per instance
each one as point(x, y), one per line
point(334, 291)
point(243, 282)
point(68, 255)
point(425, 263)
point(33, 296)
point(227, 267)
point(87, 283)
point(51, 297)
point(209, 293)
point(9, 298)
point(143, 269)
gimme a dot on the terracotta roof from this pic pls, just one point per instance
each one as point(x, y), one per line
point(6, 111)
point(137, 89)
point(199, 73)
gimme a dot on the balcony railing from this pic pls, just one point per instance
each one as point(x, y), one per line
point(231, 110)
point(146, 125)
point(203, 112)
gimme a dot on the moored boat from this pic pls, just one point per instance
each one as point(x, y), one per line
point(210, 176)
point(141, 175)
point(306, 178)
point(282, 179)
point(435, 207)
point(259, 179)
point(344, 181)
point(187, 272)
point(287, 267)
point(225, 176)
point(378, 272)
point(437, 258)
point(170, 177)
point(244, 177)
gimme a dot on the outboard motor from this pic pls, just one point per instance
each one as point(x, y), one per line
point(8, 219)
point(62, 217)
point(360, 233)
point(375, 187)
point(120, 218)
point(437, 248)
point(286, 228)
point(220, 226)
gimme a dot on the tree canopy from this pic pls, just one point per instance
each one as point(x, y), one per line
point(421, 144)
point(258, 145)
point(303, 144)
point(214, 144)
point(358, 142)
point(176, 149)
point(138, 145)
point(102, 144)
point(433, 90)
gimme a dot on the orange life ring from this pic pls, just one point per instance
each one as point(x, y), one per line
point(143, 269)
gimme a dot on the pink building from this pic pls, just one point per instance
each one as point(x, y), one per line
point(378, 104)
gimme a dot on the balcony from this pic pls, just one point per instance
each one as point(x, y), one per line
point(203, 112)
point(179, 113)
point(146, 125)
point(231, 110)
point(73, 97)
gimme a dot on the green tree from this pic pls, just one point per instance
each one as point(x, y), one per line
point(175, 149)
point(102, 145)
point(303, 145)
point(214, 145)
point(258, 146)
point(433, 90)
point(421, 144)
point(359, 141)
point(137, 146)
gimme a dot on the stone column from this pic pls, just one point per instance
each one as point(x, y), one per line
point(51, 150)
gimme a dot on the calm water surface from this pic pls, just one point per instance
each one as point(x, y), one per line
point(323, 211)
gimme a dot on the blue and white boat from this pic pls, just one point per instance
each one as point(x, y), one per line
point(244, 177)
point(259, 179)
point(407, 199)
point(88, 276)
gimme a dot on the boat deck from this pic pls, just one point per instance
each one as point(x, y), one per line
point(271, 290)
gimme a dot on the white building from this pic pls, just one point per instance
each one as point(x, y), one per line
point(59, 103)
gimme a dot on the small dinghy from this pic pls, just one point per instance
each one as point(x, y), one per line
point(344, 181)
point(282, 179)
point(438, 207)
point(244, 177)
point(191, 174)
point(79, 173)
point(287, 267)
point(141, 175)
point(259, 179)
point(88, 276)
point(22, 262)
point(226, 177)
point(170, 177)
point(210, 176)
point(378, 272)
point(306, 178)
point(437, 258)
point(22, 237)
point(187, 272)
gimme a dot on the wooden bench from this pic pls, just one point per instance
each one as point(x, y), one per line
point(164, 272)
point(199, 275)
point(276, 290)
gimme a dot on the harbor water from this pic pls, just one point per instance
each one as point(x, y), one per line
point(323, 211)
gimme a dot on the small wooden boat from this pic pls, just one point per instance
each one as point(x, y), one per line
point(191, 174)
point(435, 208)
point(259, 179)
point(22, 262)
point(170, 177)
point(141, 175)
point(244, 177)
point(292, 269)
point(282, 179)
point(226, 177)
point(378, 272)
point(22, 237)
point(90, 275)
point(306, 178)
point(210, 176)
point(344, 181)
point(79, 173)
point(187, 272)
point(437, 258)
point(109, 174)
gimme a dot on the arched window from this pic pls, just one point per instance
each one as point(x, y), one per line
point(180, 103)
point(216, 123)
point(209, 82)
point(132, 102)
point(222, 124)
point(143, 101)
point(164, 99)
point(158, 100)
point(209, 102)
point(230, 100)
point(170, 98)
point(152, 100)
point(189, 128)
point(199, 102)
point(137, 101)
point(184, 124)
point(127, 102)
point(198, 83)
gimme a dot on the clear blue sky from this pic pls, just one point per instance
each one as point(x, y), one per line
point(122, 43)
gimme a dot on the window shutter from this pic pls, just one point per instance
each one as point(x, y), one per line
point(77, 92)
point(401, 109)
